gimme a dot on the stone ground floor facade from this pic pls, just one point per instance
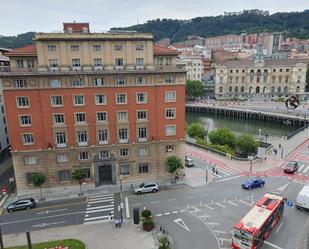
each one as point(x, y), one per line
point(103, 164)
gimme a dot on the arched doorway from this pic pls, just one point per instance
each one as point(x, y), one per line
point(250, 89)
point(257, 89)
point(264, 89)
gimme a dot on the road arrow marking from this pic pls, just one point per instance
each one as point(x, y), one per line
point(48, 224)
point(52, 211)
point(181, 223)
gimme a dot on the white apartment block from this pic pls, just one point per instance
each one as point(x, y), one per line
point(194, 67)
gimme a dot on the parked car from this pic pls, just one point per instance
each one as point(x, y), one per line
point(26, 203)
point(147, 188)
point(302, 199)
point(291, 167)
point(253, 183)
point(189, 162)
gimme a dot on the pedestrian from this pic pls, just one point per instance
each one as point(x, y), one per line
point(110, 215)
point(279, 146)
point(213, 169)
point(217, 172)
point(275, 151)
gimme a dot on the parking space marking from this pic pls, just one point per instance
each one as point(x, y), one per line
point(206, 206)
point(232, 203)
point(154, 202)
point(246, 203)
point(175, 212)
point(167, 213)
point(279, 227)
point(220, 205)
point(158, 215)
point(272, 245)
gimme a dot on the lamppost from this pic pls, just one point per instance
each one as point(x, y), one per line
point(121, 205)
point(250, 158)
point(206, 171)
point(282, 152)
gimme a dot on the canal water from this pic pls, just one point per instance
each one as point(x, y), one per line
point(239, 125)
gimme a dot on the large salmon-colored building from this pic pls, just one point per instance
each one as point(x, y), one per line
point(109, 103)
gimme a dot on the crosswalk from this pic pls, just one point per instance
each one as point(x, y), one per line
point(99, 208)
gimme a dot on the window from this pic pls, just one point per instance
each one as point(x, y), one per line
point(31, 160)
point(273, 80)
point(170, 130)
point(82, 138)
point(170, 148)
point(79, 100)
point(27, 139)
point(139, 47)
point(97, 62)
point(61, 158)
point(83, 155)
point(287, 70)
point(22, 102)
point(80, 117)
point(122, 116)
point(170, 113)
point(142, 134)
point(124, 169)
point(286, 79)
point(140, 80)
point(64, 175)
point(104, 154)
point(119, 62)
point(103, 136)
point(54, 83)
point(53, 63)
point(143, 151)
point(118, 47)
point(75, 48)
point(141, 98)
point(58, 119)
point(169, 79)
point(77, 82)
point(61, 140)
point(75, 62)
point(51, 48)
point(142, 115)
point(98, 82)
point(25, 120)
point(123, 152)
point(139, 61)
point(123, 135)
point(20, 63)
point(281, 70)
point(101, 116)
point(29, 178)
point(121, 98)
point(120, 81)
point(100, 99)
point(21, 84)
point(143, 168)
point(170, 96)
point(56, 101)
point(96, 48)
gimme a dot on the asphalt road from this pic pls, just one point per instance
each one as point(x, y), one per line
point(205, 215)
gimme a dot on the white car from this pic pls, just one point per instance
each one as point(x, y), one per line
point(189, 162)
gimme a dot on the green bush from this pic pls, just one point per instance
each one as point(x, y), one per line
point(223, 136)
point(146, 214)
point(246, 145)
point(173, 163)
point(196, 130)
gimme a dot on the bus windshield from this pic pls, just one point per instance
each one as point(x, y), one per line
point(242, 238)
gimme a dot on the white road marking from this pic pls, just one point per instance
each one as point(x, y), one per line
point(226, 179)
point(96, 218)
point(154, 202)
point(159, 215)
point(279, 227)
point(95, 202)
point(181, 223)
point(101, 198)
point(213, 224)
point(232, 203)
point(99, 207)
point(96, 222)
point(306, 169)
point(209, 207)
point(218, 231)
point(52, 211)
point(301, 167)
point(272, 245)
point(175, 212)
point(283, 187)
point(244, 202)
point(220, 205)
point(127, 208)
point(190, 196)
point(49, 224)
point(181, 211)
point(99, 210)
point(205, 216)
point(171, 199)
point(104, 195)
point(136, 204)
point(168, 213)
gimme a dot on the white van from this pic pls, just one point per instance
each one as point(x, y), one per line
point(189, 162)
point(302, 199)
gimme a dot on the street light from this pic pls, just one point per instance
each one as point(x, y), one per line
point(121, 205)
point(206, 171)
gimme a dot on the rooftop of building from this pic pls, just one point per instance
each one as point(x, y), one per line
point(29, 50)
point(159, 50)
point(267, 62)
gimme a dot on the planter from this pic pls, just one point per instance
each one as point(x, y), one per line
point(148, 226)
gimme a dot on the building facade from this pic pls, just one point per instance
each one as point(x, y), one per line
point(269, 77)
point(94, 101)
point(194, 66)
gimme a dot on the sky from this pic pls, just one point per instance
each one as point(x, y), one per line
point(20, 16)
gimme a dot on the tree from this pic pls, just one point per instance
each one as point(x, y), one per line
point(173, 163)
point(196, 130)
point(223, 136)
point(164, 243)
point(194, 88)
point(246, 145)
point(79, 175)
point(38, 180)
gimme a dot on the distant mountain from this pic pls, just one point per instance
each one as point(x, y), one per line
point(16, 41)
point(292, 24)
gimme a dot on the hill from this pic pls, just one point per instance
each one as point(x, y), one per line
point(293, 24)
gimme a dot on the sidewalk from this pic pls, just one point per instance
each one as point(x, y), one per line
point(98, 236)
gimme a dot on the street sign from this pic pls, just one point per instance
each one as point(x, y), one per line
point(4, 190)
point(290, 204)
point(261, 152)
point(250, 157)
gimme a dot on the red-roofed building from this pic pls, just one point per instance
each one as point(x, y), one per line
point(164, 56)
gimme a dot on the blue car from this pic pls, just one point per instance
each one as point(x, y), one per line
point(253, 183)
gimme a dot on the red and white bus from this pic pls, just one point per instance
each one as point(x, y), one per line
point(255, 227)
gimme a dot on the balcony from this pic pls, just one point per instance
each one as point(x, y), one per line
point(123, 141)
point(62, 145)
point(103, 142)
point(82, 143)
point(142, 140)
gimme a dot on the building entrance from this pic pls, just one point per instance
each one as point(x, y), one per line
point(105, 174)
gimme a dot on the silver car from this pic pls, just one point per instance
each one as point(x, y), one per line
point(147, 188)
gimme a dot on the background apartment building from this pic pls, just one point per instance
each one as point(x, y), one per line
point(104, 102)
